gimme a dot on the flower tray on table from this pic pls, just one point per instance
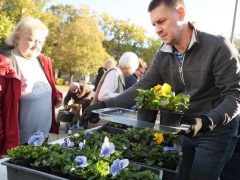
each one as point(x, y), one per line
point(129, 117)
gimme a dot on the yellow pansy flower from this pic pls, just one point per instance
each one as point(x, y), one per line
point(158, 137)
point(166, 87)
point(158, 87)
point(162, 93)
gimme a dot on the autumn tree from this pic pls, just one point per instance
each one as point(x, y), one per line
point(15, 10)
point(78, 45)
point(12, 11)
point(121, 36)
point(151, 46)
point(6, 26)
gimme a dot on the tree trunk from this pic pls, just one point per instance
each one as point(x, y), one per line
point(56, 73)
point(71, 77)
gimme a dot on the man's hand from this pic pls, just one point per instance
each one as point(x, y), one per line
point(197, 124)
point(88, 115)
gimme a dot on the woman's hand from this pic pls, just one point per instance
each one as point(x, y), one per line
point(59, 102)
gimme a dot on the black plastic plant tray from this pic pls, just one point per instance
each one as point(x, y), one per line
point(164, 174)
point(109, 129)
point(17, 172)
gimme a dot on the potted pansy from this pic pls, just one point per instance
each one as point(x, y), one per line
point(21, 155)
point(26, 154)
point(160, 97)
point(60, 161)
point(106, 164)
point(150, 147)
point(92, 138)
point(95, 164)
point(40, 152)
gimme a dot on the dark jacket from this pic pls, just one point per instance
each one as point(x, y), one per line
point(130, 80)
point(101, 72)
point(210, 75)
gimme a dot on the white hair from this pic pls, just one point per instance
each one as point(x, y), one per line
point(26, 23)
point(129, 60)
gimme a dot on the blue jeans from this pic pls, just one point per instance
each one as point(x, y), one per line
point(231, 170)
point(205, 154)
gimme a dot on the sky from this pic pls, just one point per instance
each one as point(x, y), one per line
point(213, 16)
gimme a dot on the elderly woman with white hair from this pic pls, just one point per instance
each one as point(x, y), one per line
point(113, 82)
point(26, 75)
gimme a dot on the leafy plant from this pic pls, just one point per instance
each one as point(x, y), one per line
point(149, 146)
point(23, 152)
point(96, 156)
point(163, 98)
point(118, 125)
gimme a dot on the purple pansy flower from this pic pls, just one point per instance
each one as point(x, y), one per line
point(81, 161)
point(88, 133)
point(36, 139)
point(107, 148)
point(82, 145)
point(168, 148)
point(67, 143)
point(118, 165)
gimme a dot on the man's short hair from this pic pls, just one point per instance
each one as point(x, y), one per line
point(169, 3)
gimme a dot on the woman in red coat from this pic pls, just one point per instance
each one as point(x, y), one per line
point(27, 88)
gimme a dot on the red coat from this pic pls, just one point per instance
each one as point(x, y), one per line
point(10, 93)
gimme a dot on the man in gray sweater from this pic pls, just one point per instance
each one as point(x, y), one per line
point(207, 68)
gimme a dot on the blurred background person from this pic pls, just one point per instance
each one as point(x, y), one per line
point(109, 64)
point(38, 91)
point(113, 83)
point(81, 97)
point(132, 79)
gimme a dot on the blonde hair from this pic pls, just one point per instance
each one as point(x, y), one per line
point(26, 23)
point(129, 60)
point(142, 63)
point(109, 64)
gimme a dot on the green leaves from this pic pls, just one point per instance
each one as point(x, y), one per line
point(163, 99)
point(133, 143)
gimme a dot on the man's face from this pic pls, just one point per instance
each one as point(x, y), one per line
point(166, 23)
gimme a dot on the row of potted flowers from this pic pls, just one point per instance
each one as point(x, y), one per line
point(85, 163)
point(140, 145)
point(94, 155)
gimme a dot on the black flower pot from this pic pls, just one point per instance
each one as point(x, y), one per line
point(74, 177)
point(168, 118)
point(45, 169)
point(20, 162)
point(147, 115)
point(56, 170)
